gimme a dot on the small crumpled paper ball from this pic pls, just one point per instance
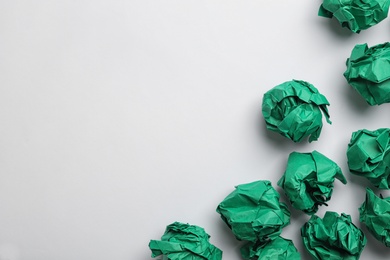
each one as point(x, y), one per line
point(185, 242)
point(277, 249)
point(375, 214)
point(333, 237)
point(368, 72)
point(294, 109)
point(308, 180)
point(253, 212)
point(368, 156)
point(356, 15)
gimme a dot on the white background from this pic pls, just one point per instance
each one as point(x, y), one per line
point(121, 117)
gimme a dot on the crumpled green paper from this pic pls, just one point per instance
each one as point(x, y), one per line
point(333, 237)
point(253, 212)
point(355, 14)
point(375, 214)
point(277, 249)
point(294, 109)
point(185, 242)
point(368, 72)
point(308, 180)
point(368, 156)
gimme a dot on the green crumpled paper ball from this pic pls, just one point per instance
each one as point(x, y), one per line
point(368, 156)
point(185, 242)
point(277, 249)
point(356, 15)
point(368, 72)
point(333, 237)
point(308, 180)
point(375, 214)
point(294, 109)
point(253, 212)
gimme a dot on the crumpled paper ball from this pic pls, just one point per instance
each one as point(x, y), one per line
point(375, 214)
point(294, 109)
point(253, 212)
point(185, 242)
point(356, 15)
point(368, 156)
point(308, 180)
point(333, 237)
point(368, 72)
point(277, 249)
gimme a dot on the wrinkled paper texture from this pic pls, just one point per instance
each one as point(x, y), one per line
point(375, 214)
point(185, 242)
point(308, 180)
point(277, 249)
point(333, 237)
point(368, 72)
point(355, 15)
point(294, 109)
point(253, 212)
point(368, 156)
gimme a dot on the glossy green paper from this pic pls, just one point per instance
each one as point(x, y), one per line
point(277, 249)
point(185, 242)
point(368, 156)
point(356, 15)
point(333, 237)
point(294, 109)
point(308, 180)
point(375, 214)
point(368, 72)
point(253, 212)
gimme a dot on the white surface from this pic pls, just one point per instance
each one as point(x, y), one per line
point(120, 117)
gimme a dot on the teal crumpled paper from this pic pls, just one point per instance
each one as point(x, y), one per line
point(369, 156)
point(368, 72)
point(294, 109)
point(277, 249)
point(355, 14)
point(333, 237)
point(253, 212)
point(185, 242)
point(375, 214)
point(308, 180)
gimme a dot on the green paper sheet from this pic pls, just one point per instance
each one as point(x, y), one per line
point(294, 109)
point(308, 180)
point(375, 214)
point(356, 15)
point(368, 72)
point(368, 156)
point(277, 249)
point(253, 212)
point(333, 237)
point(185, 242)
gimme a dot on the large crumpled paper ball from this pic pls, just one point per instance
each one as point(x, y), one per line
point(333, 237)
point(308, 180)
point(294, 109)
point(356, 15)
point(369, 156)
point(185, 242)
point(277, 249)
point(375, 214)
point(368, 72)
point(253, 212)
